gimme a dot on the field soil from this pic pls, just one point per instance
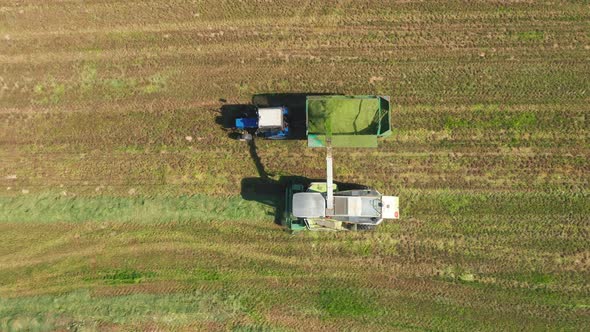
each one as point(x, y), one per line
point(126, 205)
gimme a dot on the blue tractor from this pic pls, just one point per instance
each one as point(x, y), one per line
point(267, 122)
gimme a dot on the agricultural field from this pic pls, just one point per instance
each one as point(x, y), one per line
point(122, 202)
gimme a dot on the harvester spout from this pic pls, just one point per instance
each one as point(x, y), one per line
point(329, 179)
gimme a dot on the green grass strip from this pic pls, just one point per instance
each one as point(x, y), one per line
point(49, 312)
point(50, 207)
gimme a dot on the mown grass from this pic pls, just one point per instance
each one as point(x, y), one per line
point(50, 312)
point(321, 278)
point(347, 302)
point(53, 207)
point(94, 81)
point(126, 276)
point(106, 206)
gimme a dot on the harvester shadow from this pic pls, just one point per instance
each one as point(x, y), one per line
point(271, 192)
point(295, 102)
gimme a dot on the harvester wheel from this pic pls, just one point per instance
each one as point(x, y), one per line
point(366, 227)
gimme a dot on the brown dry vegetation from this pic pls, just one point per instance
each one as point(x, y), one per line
point(489, 157)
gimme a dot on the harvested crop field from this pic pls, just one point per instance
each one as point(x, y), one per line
point(122, 198)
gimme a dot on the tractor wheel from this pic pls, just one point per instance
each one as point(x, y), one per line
point(366, 227)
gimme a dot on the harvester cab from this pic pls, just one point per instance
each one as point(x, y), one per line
point(268, 122)
point(353, 209)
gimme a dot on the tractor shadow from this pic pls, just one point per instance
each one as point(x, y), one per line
point(295, 102)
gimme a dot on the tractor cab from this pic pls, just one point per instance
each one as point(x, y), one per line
point(268, 122)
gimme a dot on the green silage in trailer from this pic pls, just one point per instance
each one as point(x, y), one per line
point(350, 121)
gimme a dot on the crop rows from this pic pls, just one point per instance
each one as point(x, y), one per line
point(125, 205)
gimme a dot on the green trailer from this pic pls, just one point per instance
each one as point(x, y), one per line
point(349, 121)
